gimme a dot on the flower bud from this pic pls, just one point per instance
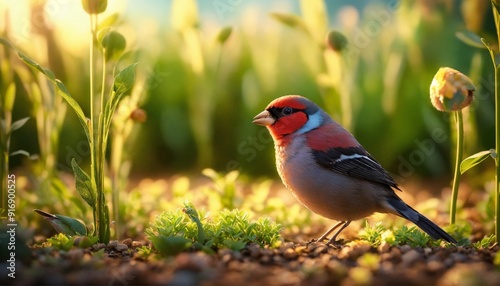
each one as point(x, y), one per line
point(139, 115)
point(224, 34)
point(451, 90)
point(94, 6)
point(336, 41)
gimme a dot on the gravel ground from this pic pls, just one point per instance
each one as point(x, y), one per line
point(312, 263)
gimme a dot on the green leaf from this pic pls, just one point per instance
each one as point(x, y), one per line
point(18, 124)
point(86, 241)
point(475, 159)
point(235, 245)
point(10, 96)
point(101, 33)
point(62, 91)
point(77, 226)
point(64, 224)
point(106, 229)
point(24, 153)
point(170, 245)
point(192, 213)
point(496, 6)
point(125, 79)
point(290, 20)
point(32, 63)
point(108, 21)
point(470, 38)
point(84, 185)
point(123, 82)
point(61, 241)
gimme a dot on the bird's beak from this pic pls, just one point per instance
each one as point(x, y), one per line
point(264, 118)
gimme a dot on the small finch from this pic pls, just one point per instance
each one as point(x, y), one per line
point(328, 171)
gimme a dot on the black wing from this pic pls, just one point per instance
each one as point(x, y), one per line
point(354, 162)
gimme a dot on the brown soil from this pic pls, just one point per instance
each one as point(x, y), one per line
point(312, 263)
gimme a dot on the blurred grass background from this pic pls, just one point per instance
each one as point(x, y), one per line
point(200, 95)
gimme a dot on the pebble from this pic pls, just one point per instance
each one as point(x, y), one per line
point(290, 254)
point(127, 242)
point(265, 259)
point(319, 250)
point(278, 260)
point(112, 244)
point(411, 257)
point(226, 258)
point(384, 247)
point(427, 251)
point(254, 251)
point(458, 257)
point(267, 252)
point(75, 254)
point(98, 246)
point(76, 241)
point(435, 266)
point(112, 253)
point(405, 248)
point(136, 244)
point(121, 247)
point(191, 261)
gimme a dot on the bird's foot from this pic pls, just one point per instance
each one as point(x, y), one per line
point(332, 242)
point(335, 243)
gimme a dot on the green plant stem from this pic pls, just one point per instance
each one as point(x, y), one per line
point(91, 122)
point(96, 144)
point(497, 128)
point(5, 141)
point(116, 159)
point(497, 160)
point(458, 160)
point(101, 149)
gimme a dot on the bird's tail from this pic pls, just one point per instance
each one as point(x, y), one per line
point(421, 221)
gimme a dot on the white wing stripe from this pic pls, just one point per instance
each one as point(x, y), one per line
point(353, 156)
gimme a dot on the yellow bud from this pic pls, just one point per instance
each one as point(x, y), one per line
point(451, 90)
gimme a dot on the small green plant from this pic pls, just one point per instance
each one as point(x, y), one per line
point(60, 241)
point(373, 234)
point(378, 234)
point(411, 236)
point(461, 232)
point(486, 242)
point(144, 252)
point(65, 242)
point(176, 231)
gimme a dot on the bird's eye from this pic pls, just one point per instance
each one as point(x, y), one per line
point(287, 111)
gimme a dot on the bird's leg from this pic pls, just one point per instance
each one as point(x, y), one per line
point(330, 230)
point(334, 237)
